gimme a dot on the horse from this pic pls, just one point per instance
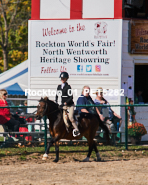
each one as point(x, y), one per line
point(88, 126)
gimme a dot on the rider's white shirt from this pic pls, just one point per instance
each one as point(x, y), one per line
point(62, 85)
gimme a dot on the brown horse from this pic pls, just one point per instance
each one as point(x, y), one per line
point(88, 126)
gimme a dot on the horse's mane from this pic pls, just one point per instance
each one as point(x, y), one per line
point(52, 103)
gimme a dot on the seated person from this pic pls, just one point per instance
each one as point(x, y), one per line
point(112, 115)
point(138, 96)
point(85, 99)
point(5, 116)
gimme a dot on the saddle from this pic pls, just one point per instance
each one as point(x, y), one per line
point(67, 120)
point(77, 117)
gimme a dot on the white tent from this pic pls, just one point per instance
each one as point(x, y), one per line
point(15, 80)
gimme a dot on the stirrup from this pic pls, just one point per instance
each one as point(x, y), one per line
point(76, 132)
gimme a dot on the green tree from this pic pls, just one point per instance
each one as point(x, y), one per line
point(14, 15)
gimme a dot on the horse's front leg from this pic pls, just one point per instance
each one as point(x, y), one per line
point(48, 148)
point(57, 151)
point(53, 140)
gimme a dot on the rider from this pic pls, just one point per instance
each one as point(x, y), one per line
point(67, 100)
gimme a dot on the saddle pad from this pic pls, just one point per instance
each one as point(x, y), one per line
point(86, 115)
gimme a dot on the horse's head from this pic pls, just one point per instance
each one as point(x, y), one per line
point(45, 107)
point(42, 108)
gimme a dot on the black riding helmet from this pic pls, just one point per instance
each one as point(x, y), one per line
point(64, 75)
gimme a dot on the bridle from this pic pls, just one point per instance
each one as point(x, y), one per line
point(45, 108)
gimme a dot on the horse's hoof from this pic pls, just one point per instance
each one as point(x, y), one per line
point(98, 159)
point(86, 159)
point(56, 160)
point(45, 157)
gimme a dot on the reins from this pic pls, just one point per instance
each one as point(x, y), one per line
point(57, 109)
point(45, 108)
point(50, 112)
point(53, 111)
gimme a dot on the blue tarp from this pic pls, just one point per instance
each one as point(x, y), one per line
point(15, 89)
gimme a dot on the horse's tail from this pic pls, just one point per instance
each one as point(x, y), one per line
point(105, 128)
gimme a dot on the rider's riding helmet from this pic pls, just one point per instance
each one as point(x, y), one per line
point(64, 75)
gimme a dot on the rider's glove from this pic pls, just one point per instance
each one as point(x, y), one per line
point(61, 106)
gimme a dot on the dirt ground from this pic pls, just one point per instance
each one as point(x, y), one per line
point(31, 170)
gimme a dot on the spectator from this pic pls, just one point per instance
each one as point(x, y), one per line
point(25, 103)
point(85, 99)
point(138, 96)
point(25, 109)
point(5, 116)
point(112, 117)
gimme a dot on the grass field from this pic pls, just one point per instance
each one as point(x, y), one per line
point(105, 151)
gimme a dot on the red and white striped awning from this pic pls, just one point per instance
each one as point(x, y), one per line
point(76, 9)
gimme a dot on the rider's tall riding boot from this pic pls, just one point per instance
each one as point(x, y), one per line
point(76, 131)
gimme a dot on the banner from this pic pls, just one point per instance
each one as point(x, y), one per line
point(79, 47)
point(139, 37)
